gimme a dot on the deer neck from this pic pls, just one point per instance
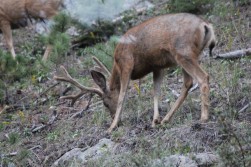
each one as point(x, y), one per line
point(114, 81)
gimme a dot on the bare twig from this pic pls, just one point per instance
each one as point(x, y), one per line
point(80, 113)
point(174, 92)
point(35, 147)
point(50, 122)
point(38, 128)
point(244, 108)
point(195, 86)
point(44, 92)
point(4, 109)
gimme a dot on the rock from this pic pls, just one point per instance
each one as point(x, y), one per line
point(175, 160)
point(206, 159)
point(191, 160)
point(78, 155)
point(11, 164)
point(143, 6)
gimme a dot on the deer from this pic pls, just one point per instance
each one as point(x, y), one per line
point(165, 41)
point(19, 13)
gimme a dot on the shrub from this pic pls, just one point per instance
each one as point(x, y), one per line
point(191, 6)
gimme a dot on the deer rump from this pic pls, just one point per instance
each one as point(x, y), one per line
point(161, 42)
point(18, 13)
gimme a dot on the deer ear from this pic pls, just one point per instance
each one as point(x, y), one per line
point(99, 79)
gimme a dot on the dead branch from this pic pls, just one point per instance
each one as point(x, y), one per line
point(11, 154)
point(80, 113)
point(38, 128)
point(50, 122)
point(234, 54)
point(35, 147)
point(43, 93)
point(195, 86)
point(244, 108)
point(14, 108)
point(4, 109)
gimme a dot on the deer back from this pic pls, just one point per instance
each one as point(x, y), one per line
point(156, 43)
point(14, 10)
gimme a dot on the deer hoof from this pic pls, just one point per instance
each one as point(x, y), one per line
point(109, 130)
point(155, 122)
point(203, 120)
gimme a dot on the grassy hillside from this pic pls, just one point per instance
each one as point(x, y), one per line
point(29, 98)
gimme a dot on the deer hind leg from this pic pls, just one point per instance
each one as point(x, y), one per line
point(193, 69)
point(187, 84)
point(6, 29)
point(157, 80)
point(47, 52)
point(124, 82)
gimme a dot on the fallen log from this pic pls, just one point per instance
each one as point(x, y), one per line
point(234, 54)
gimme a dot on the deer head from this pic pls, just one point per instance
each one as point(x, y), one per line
point(161, 42)
point(109, 97)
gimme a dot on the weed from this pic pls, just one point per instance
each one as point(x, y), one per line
point(27, 132)
point(57, 37)
point(22, 157)
point(191, 6)
point(13, 138)
point(118, 134)
point(100, 117)
point(75, 134)
point(52, 136)
point(103, 51)
point(1, 126)
point(233, 147)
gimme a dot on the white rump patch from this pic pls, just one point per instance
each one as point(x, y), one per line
point(128, 39)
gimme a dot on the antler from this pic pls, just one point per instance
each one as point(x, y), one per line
point(101, 66)
point(83, 89)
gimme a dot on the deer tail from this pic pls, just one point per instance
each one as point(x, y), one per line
point(209, 38)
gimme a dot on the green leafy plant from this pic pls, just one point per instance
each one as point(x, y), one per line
point(57, 38)
point(52, 136)
point(103, 51)
point(233, 150)
point(190, 6)
point(13, 138)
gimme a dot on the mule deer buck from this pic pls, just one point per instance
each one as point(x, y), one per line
point(18, 13)
point(161, 42)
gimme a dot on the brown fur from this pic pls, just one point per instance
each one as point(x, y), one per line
point(162, 42)
point(16, 13)
point(159, 43)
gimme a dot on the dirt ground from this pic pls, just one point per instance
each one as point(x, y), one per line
point(40, 127)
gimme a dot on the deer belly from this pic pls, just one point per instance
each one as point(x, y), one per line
point(151, 64)
point(140, 71)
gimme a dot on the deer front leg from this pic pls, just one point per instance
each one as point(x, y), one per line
point(187, 84)
point(6, 29)
point(157, 80)
point(124, 82)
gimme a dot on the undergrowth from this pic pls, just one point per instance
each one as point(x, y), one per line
point(29, 80)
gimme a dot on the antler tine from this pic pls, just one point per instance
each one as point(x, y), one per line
point(101, 65)
point(83, 89)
